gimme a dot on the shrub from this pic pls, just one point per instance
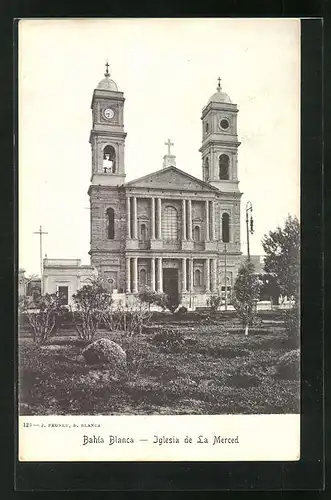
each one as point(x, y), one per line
point(42, 319)
point(148, 296)
point(92, 301)
point(215, 301)
point(128, 318)
point(159, 299)
point(162, 300)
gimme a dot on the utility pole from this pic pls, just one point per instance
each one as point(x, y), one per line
point(249, 227)
point(41, 232)
point(226, 280)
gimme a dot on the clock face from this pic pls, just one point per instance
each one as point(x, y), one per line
point(108, 113)
point(224, 124)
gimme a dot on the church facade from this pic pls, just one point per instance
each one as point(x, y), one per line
point(168, 231)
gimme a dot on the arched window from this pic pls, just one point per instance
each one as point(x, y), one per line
point(143, 232)
point(197, 277)
point(170, 224)
point(224, 162)
point(110, 223)
point(207, 169)
point(225, 228)
point(109, 160)
point(207, 127)
point(142, 278)
point(196, 233)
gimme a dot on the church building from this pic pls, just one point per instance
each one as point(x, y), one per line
point(168, 231)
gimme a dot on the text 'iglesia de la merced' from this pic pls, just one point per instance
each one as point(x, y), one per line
point(168, 231)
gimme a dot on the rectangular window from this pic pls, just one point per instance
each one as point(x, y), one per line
point(170, 224)
point(63, 292)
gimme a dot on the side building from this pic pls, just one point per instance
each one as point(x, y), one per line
point(66, 276)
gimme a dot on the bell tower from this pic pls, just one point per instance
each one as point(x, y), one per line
point(220, 144)
point(107, 137)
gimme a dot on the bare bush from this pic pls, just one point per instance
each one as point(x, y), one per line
point(128, 318)
point(91, 301)
point(42, 314)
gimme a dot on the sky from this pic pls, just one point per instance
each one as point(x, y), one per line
point(167, 69)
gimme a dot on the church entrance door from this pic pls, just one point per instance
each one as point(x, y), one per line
point(170, 285)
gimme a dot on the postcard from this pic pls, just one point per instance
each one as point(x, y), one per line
point(159, 239)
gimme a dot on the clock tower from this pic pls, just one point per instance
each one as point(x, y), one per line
point(107, 137)
point(220, 144)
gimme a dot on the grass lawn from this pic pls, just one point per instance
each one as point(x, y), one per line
point(217, 370)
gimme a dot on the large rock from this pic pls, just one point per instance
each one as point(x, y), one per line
point(105, 351)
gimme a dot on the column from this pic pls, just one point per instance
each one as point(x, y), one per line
point(158, 224)
point(207, 220)
point(213, 220)
point(189, 222)
point(134, 214)
point(183, 275)
point(191, 274)
point(183, 219)
point(159, 275)
point(135, 275)
point(128, 275)
point(152, 218)
point(207, 275)
point(213, 274)
point(153, 274)
point(128, 217)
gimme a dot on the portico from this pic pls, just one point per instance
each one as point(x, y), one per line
point(192, 224)
point(186, 268)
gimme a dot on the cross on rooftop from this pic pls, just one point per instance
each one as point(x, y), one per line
point(107, 66)
point(169, 144)
point(219, 83)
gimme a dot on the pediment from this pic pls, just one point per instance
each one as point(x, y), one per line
point(171, 178)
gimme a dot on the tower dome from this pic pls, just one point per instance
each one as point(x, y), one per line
point(107, 83)
point(220, 96)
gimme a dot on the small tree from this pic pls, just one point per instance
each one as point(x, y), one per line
point(91, 302)
point(246, 294)
point(42, 314)
point(159, 299)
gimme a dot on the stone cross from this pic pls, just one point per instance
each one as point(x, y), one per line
point(169, 144)
point(107, 66)
point(219, 83)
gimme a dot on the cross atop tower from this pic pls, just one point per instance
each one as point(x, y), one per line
point(219, 84)
point(169, 144)
point(107, 66)
point(169, 160)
